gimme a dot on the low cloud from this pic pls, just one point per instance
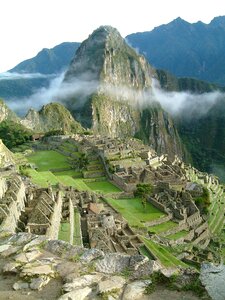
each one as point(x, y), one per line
point(57, 91)
point(16, 76)
point(184, 104)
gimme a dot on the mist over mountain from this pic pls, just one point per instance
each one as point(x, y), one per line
point(113, 101)
point(185, 49)
point(102, 75)
point(37, 73)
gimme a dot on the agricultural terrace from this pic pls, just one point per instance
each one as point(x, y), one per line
point(137, 215)
point(46, 160)
point(54, 167)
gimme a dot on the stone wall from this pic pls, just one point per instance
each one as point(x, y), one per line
point(157, 204)
point(53, 229)
point(174, 230)
point(203, 236)
point(12, 203)
point(159, 221)
point(71, 220)
point(3, 186)
point(124, 186)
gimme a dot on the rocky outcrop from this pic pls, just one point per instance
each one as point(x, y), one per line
point(212, 277)
point(6, 113)
point(35, 262)
point(114, 94)
point(51, 117)
point(6, 156)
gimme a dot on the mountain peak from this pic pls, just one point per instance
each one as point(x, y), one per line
point(218, 21)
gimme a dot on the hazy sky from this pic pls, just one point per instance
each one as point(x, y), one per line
point(27, 26)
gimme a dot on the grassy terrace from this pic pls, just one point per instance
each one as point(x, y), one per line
point(72, 173)
point(133, 211)
point(103, 186)
point(77, 238)
point(165, 257)
point(162, 227)
point(41, 180)
point(177, 235)
point(76, 183)
point(64, 232)
point(45, 160)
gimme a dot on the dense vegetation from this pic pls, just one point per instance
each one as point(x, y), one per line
point(14, 134)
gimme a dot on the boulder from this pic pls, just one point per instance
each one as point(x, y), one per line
point(36, 270)
point(11, 267)
point(39, 283)
point(78, 294)
point(10, 251)
point(35, 242)
point(111, 284)
point(4, 247)
point(82, 281)
point(213, 278)
point(135, 290)
point(113, 263)
point(26, 257)
point(20, 285)
point(90, 255)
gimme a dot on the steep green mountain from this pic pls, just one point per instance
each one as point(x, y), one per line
point(170, 82)
point(48, 61)
point(51, 117)
point(112, 100)
point(203, 135)
point(12, 133)
point(185, 49)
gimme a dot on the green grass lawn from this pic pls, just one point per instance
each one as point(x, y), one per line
point(165, 257)
point(177, 235)
point(64, 232)
point(103, 186)
point(72, 173)
point(37, 178)
point(162, 227)
point(45, 160)
point(43, 179)
point(76, 183)
point(133, 211)
point(77, 238)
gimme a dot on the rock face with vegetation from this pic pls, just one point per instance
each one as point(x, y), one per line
point(51, 117)
point(6, 113)
point(113, 100)
point(6, 157)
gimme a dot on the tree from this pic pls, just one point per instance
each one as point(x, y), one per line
point(14, 134)
point(80, 163)
point(143, 191)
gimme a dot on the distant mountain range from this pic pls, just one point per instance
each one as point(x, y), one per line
point(186, 50)
point(183, 49)
point(48, 61)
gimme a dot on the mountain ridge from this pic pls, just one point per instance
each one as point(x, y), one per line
point(172, 46)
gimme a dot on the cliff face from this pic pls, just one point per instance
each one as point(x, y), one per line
point(6, 156)
point(53, 116)
point(6, 113)
point(113, 101)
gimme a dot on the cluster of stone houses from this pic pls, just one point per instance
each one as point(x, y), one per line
point(127, 163)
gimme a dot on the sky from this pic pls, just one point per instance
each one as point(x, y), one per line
point(27, 26)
